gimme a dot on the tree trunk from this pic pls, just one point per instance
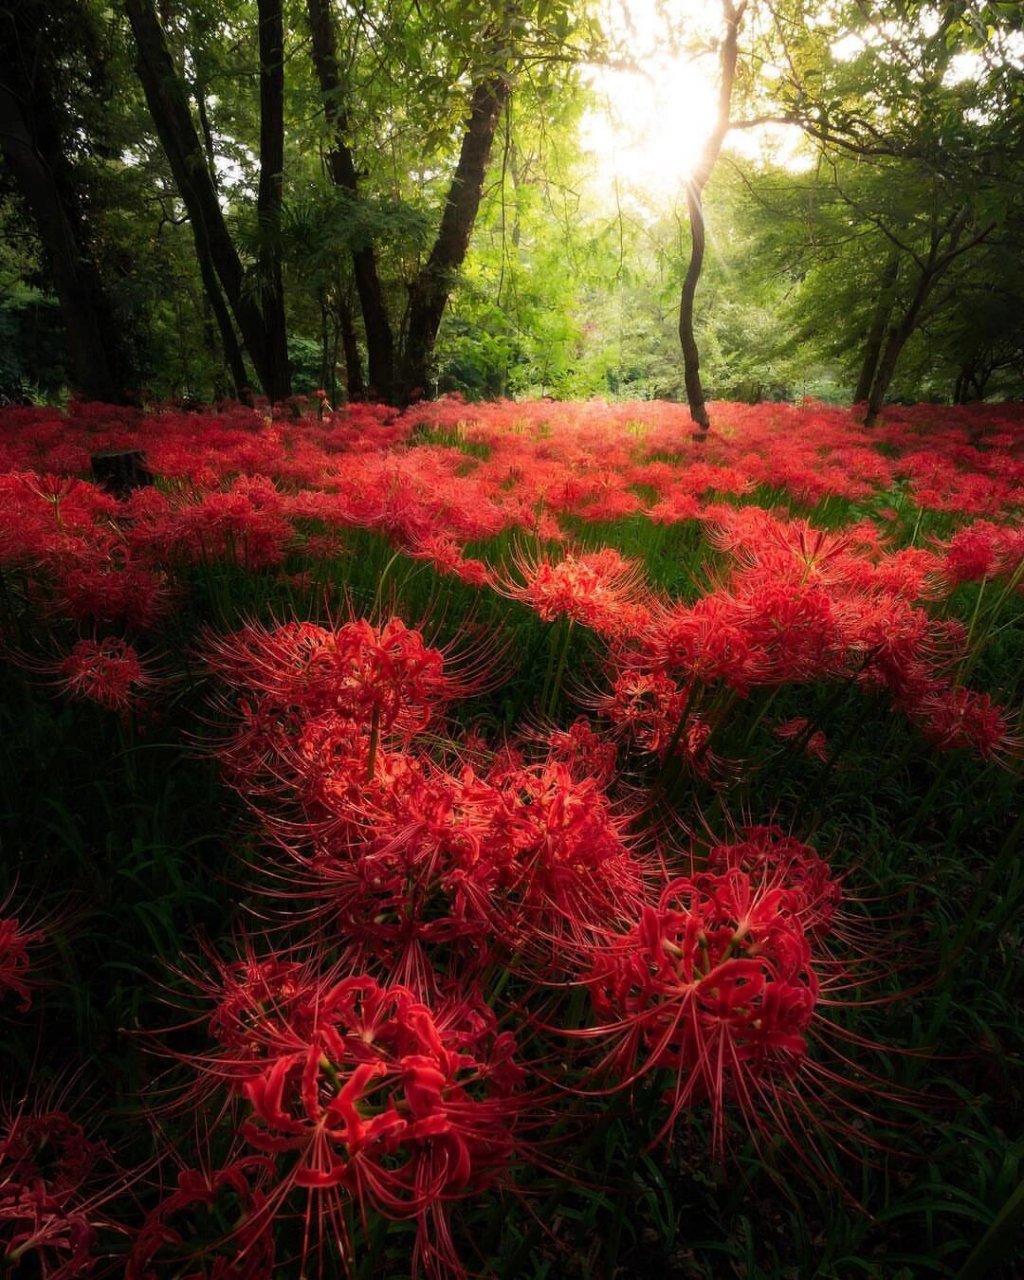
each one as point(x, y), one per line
point(733, 16)
point(380, 343)
point(99, 364)
point(228, 338)
point(932, 269)
point(278, 384)
point(355, 387)
point(894, 344)
point(168, 105)
point(876, 332)
point(687, 338)
point(429, 292)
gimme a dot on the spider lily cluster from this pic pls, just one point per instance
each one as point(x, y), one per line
point(465, 940)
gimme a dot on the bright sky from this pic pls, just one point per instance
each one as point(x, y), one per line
point(648, 127)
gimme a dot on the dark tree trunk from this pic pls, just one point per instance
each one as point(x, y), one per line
point(228, 339)
point(355, 386)
point(687, 338)
point(895, 341)
point(428, 295)
point(168, 105)
point(876, 332)
point(947, 244)
point(119, 471)
point(204, 124)
point(278, 384)
point(733, 15)
point(380, 343)
point(99, 363)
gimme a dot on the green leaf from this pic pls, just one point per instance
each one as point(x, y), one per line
point(998, 1245)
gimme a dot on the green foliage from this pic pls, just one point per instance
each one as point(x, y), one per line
point(914, 112)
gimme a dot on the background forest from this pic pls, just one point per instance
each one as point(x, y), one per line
point(392, 199)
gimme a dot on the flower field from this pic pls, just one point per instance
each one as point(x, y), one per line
point(511, 840)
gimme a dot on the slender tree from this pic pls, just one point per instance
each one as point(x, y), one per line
point(875, 337)
point(732, 15)
point(257, 313)
point(41, 47)
point(277, 378)
point(922, 155)
point(948, 240)
point(380, 342)
point(400, 349)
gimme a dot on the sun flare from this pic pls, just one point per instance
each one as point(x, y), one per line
point(656, 103)
point(649, 119)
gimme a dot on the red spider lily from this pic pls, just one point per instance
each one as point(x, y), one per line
point(704, 642)
point(49, 1210)
point(355, 684)
point(375, 675)
point(658, 716)
point(110, 588)
point(797, 632)
point(399, 871)
point(247, 524)
point(356, 1093)
point(556, 856)
point(952, 717)
point(16, 942)
point(786, 551)
point(108, 672)
point(446, 556)
point(358, 671)
point(600, 589)
point(813, 743)
point(584, 750)
point(981, 550)
point(766, 852)
point(899, 647)
point(177, 1237)
point(715, 985)
point(436, 871)
point(646, 705)
point(676, 508)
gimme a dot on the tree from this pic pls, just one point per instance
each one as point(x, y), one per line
point(380, 342)
point(259, 312)
point(48, 64)
point(732, 16)
point(919, 147)
point(467, 58)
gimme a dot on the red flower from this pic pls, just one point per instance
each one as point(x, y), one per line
point(353, 1092)
point(179, 1237)
point(715, 985)
point(953, 717)
point(599, 588)
point(49, 1196)
point(15, 943)
point(108, 672)
point(813, 743)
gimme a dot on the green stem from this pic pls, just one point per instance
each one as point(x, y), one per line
point(925, 807)
point(1003, 860)
point(979, 643)
point(766, 705)
point(669, 766)
point(556, 688)
point(371, 762)
point(380, 582)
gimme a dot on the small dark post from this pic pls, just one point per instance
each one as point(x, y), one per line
point(119, 471)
